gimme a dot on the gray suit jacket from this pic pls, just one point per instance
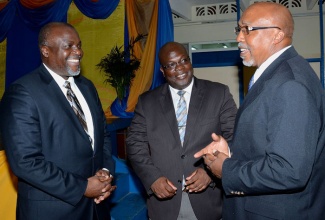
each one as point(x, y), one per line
point(48, 149)
point(277, 169)
point(154, 148)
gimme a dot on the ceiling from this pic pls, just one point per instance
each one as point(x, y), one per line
point(183, 8)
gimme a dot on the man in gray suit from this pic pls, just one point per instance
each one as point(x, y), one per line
point(59, 163)
point(277, 166)
point(160, 147)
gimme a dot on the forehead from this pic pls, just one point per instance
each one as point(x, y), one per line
point(63, 33)
point(257, 14)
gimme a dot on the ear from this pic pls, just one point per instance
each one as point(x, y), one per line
point(45, 51)
point(162, 70)
point(279, 37)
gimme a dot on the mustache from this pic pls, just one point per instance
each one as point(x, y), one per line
point(242, 46)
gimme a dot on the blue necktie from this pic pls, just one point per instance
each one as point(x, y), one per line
point(251, 83)
point(181, 115)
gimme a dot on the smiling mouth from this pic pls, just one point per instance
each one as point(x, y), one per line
point(74, 61)
point(181, 76)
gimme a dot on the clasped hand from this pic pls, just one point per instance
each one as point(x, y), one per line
point(99, 186)
point(215, 154)
point(163, 188)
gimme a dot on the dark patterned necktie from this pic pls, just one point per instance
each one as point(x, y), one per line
point(181, 115)
point(75, 105)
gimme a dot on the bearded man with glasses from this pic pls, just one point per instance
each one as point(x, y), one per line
point(277, 164)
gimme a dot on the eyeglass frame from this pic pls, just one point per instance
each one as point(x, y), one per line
point(172, 65)
point(238, 29)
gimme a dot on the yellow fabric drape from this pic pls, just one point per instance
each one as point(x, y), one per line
point(8, 190)
point(143, 78)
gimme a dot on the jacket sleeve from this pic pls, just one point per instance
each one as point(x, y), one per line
point(138, 149)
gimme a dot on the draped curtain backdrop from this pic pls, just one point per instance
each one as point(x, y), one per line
point(154, 18)
point(21, 20)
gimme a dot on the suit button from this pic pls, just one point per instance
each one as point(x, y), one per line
point(183, 156)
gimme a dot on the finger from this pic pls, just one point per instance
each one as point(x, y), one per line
point(215, 137)
point(171, 185)
point(200, 153)
point(193, 174)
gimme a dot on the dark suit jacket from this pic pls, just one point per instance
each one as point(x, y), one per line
point(48, 149)
point(154, 148)
point(278, 161)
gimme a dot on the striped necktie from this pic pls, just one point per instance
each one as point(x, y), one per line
point(181, 115)
point(75, 105)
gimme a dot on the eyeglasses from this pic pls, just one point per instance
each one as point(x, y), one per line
point(172, 65)
point(247, 29)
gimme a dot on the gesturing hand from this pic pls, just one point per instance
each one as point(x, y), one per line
point(218, 144)
point(163, 188)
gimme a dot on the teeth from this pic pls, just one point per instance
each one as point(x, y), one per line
point(74, 61)
point(181, 76)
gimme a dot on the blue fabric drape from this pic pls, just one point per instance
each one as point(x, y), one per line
point(7, 15)
point(38, 17)
point(22, 39)
point(21, 26)
point(99, 9)
point(165, 34)
point(118, 107)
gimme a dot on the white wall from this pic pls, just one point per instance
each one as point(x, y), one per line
point(225, 75)
point(306, 41)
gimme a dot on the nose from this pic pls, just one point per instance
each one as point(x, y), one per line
point(179, 66)
point(240, 36)
point(77, 50)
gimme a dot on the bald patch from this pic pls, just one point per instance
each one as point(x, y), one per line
point(274, 14)
point(170, 47)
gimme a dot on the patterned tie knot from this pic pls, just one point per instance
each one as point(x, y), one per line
point(181, 93)
point(67, 85)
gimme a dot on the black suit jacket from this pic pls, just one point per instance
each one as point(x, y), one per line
point(277, 168)
point(154, 148)
point(48, 149)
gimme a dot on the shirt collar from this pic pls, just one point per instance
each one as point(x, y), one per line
point(188, 89)
point(59, 79)
point(268, 62)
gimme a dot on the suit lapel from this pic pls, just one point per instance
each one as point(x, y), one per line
point(57, 95)
point(91, 102)
point(196, 100)
point(61, 100)
point(267, 75)
point(168, 111)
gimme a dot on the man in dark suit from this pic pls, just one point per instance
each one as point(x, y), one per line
point(277, 166)
point(64, 169)
point(179, 186)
